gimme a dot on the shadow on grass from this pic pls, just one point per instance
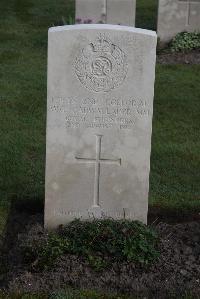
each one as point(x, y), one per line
point(18, 218)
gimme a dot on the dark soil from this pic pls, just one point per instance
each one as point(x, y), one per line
point(192, 57)
point(177, 270)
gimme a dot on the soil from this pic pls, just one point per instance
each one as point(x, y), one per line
point(177, 269)
point(192, 57)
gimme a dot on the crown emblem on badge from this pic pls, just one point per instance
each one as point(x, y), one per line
point(102, 44)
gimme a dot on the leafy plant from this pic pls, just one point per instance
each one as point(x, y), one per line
point(99, 241)
point(185, 41)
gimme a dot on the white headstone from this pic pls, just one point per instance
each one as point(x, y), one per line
point(106, 11)
point(90, 11)
point(121, 12)
point(175, 16)
point(99, 122)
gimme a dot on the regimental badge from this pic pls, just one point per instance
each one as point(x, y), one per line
point(101, 66)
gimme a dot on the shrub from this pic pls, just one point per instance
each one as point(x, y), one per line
point(99, 241)
point(185, 41)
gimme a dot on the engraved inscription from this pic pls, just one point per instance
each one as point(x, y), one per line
point(97, 162)
point(104, 113)
point(62, 212)
point(101, 65)
point(105, 214)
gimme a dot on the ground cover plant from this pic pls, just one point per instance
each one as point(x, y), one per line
point(35, 265)
point(101, 242)
point(185, 41)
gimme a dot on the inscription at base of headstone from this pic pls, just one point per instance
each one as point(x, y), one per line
point(99, 122)
point(106, 11)
point(175, 16)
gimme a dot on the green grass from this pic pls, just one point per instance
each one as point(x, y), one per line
point(175, 161)
point(23, 34)
point(146, 14)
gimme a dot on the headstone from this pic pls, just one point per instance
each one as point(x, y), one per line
point(176, 16)
point(99, 122)
point(121, 12)
point(106, 11)
point(90, 11)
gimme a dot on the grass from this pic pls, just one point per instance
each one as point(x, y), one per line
point(175, 162)
point(146, 14)
point(4, 210)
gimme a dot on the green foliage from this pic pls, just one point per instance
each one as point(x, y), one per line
point(99, 241)
point(185, 41)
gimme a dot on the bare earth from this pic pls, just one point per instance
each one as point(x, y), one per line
point(192, 57)
point(177, 270)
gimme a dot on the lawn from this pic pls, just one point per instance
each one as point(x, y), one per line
point(146, 14)
point(175, 161)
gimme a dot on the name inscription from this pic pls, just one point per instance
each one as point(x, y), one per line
point(102, 113)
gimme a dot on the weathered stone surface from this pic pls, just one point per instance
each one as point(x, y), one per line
point(176, 16)
point(99, 122)
point(106, 11)
point(90, 10)
point(121, 12)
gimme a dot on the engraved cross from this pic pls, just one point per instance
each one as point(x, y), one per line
point(97, 162)
point(189, 2)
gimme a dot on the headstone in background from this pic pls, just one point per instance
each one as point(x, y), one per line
point(99, 122)
point(90, 11)
point(121, 12)
point(176, 16)
point(106, 11)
